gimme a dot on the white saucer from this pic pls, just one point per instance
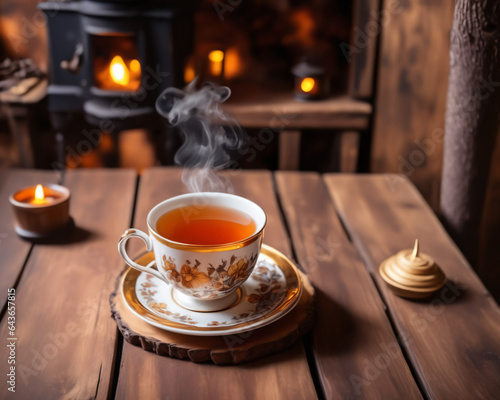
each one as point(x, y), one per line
point(271, 291)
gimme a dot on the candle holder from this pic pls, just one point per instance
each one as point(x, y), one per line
point(311, 82)
point(41, 216)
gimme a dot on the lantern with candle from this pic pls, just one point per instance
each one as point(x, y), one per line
point(311, 82)
point(41, 211)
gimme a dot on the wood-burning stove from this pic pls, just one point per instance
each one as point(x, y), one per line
point(109, 60)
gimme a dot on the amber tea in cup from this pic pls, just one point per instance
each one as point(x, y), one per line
point(206, 245)
point(208, 225)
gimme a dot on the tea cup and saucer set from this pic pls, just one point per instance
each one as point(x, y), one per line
point(206, 271)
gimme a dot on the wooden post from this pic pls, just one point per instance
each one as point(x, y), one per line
point(349, 151)
point(472, 119)
point(289, 150)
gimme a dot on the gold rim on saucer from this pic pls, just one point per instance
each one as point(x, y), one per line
point(290, 298)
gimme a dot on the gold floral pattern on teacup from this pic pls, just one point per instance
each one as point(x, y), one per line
point(171, 269)
point(191, 277)
point(216, 282)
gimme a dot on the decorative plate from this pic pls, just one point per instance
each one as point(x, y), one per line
point(271, 291)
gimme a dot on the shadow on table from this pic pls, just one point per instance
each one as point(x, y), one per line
point(335, 328)
point(333, 332)
point(72, 236)
point(78, 235)
point(453, 292)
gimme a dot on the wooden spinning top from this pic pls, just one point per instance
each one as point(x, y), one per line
point(412, 274)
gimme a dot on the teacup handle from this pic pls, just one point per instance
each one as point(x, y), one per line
point(130, 233)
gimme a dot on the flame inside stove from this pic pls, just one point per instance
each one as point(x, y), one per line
point(135, 66)
point(122, 75)
point(119, 71)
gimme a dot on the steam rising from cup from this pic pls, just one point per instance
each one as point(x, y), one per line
point(209, 134)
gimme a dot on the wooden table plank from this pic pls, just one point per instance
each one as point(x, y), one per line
point(13, 249)
point(258, 187)
point(66, 338)
point(452, 340)
point(356, 351)
point(157, 377)
point(282, 376)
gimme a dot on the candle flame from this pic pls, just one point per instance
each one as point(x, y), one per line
point(119, 71)
point(307, 84)
point(216, 57)
point(39, 195)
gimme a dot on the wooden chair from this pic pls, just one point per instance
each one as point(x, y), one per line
point(348, 117)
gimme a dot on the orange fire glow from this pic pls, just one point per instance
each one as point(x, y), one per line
point(123, 76)
point(216, 57)
point(307, 84)
point(189, 73)
point(119, 71)
point(233, 64)
point(304, 28)
point(135, 66)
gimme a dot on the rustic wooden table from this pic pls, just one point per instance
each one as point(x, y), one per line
point(366, 342)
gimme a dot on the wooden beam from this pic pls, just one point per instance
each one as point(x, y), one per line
point(411, 93)
point(472, 121)
point(360, 53)
point(349, 150)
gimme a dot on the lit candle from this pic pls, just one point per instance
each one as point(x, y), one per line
point(40, 197)
point(308, 85)
point(216, 58)
point(41, 211)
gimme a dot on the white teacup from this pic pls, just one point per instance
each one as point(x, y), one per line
point(204, 277)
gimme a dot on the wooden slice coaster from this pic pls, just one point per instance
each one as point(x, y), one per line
point(229, 349)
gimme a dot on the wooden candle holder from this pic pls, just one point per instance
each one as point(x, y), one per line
point(42, 220)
